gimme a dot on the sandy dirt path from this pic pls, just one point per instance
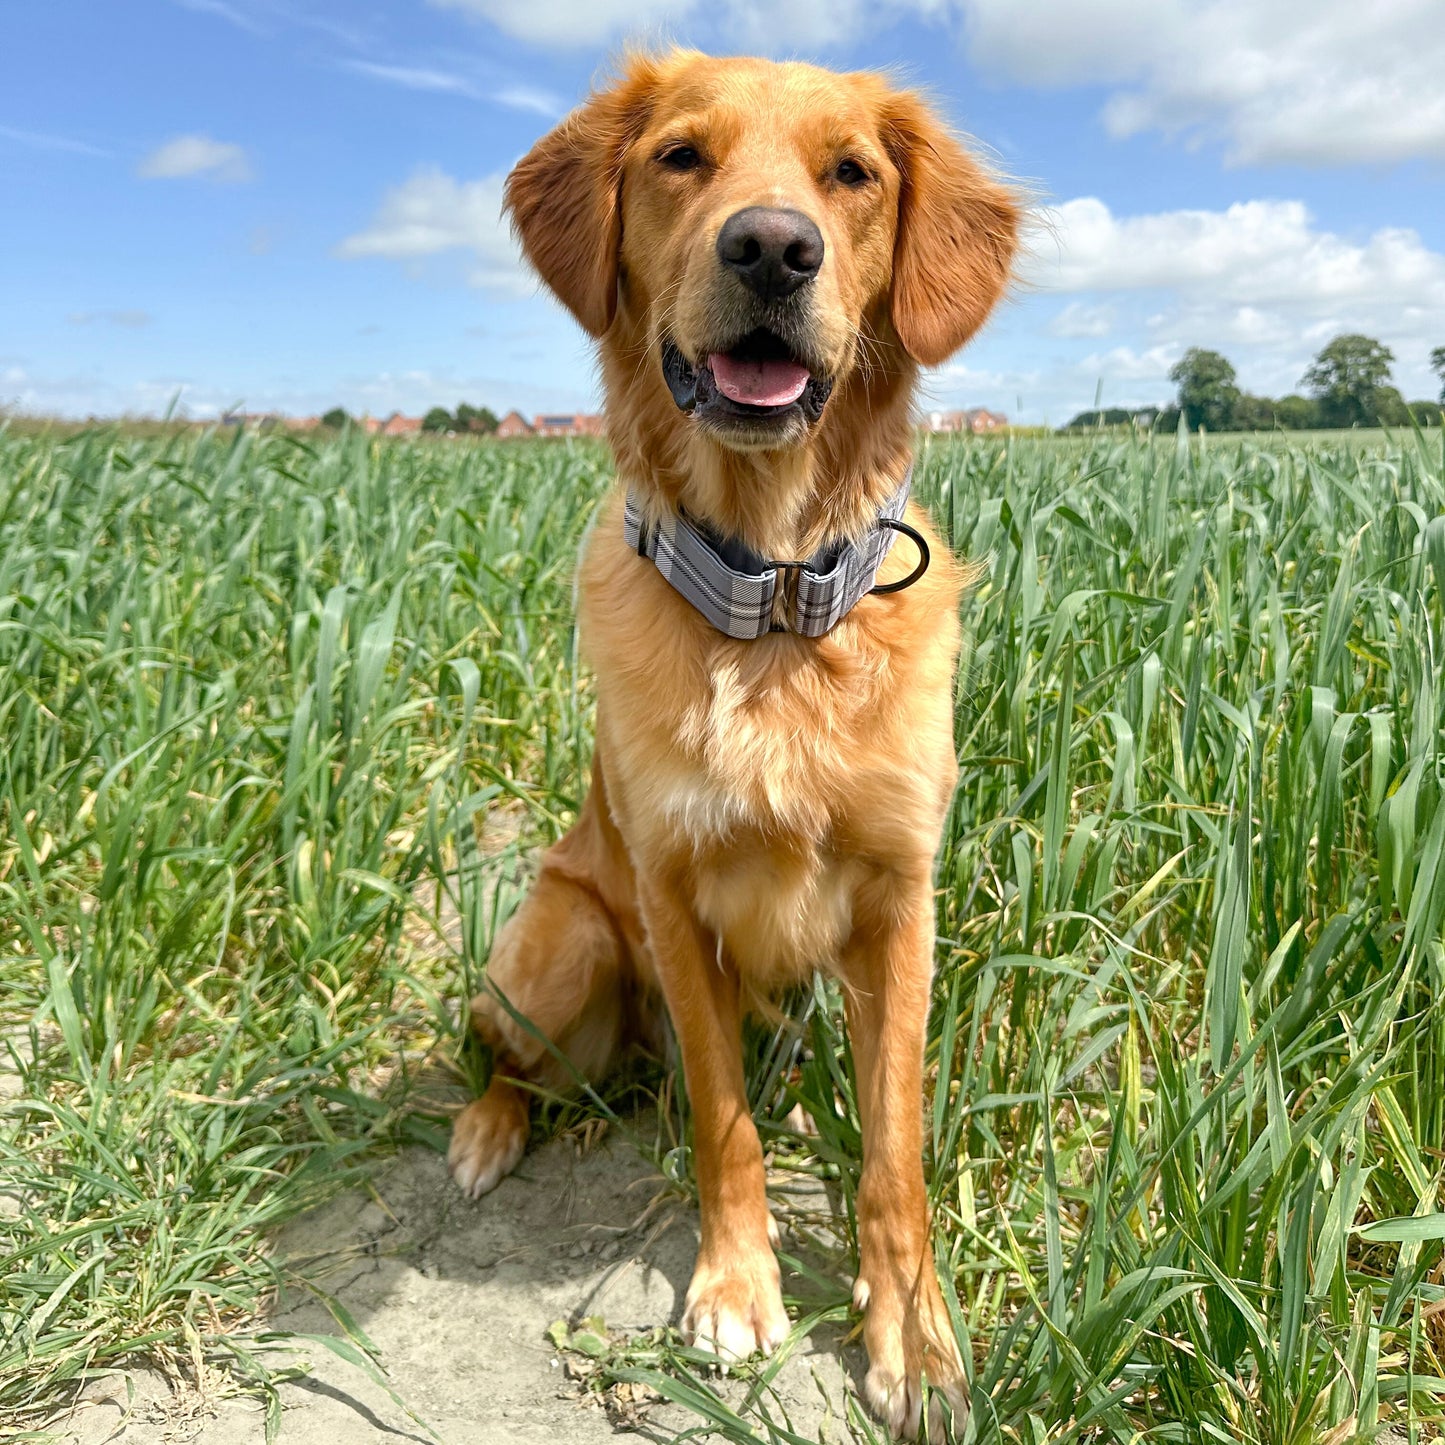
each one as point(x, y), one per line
point(458, 1296)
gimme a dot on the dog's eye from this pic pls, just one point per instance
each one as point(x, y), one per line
point(850, 173)
point(680, 158)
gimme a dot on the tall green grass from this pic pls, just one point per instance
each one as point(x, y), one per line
point(262, 702)
point(251, 693)
point(1187, 1118)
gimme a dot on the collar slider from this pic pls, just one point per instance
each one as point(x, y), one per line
point(738, 591)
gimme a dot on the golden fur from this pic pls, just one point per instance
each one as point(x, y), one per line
point(758, 809)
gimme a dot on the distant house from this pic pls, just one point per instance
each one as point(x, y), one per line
point(551, 424)
point(977, 420)
point(397, 425)
point(514, 424)
point(573, 424)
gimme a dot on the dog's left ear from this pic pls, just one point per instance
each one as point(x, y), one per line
point(564, 197)
point(957, 234)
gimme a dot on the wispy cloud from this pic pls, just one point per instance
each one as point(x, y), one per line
point(531, 98)
point(229, 13)
point(413, 77)
point(267, 17)
point(128, 319)
point(436, 81)
point(40, 140)
point(197, 155)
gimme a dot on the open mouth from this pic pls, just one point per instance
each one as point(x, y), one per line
point(757, 379)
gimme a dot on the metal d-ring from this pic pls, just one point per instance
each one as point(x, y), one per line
point(923, 556)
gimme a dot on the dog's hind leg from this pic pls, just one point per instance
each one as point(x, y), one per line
point(559, 981)
point(557, 963)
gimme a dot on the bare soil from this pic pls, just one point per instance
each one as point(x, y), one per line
point(457, 1297)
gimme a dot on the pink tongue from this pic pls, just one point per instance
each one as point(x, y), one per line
point(758, 383)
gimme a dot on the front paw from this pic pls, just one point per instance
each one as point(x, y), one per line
point(735, 1306)
point(908, 1334)
point(489, 1138)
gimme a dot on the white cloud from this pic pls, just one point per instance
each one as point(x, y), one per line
point(1316, 82)
point(1080, 319)
point(87, 394)
point(1252, 253)
point(414, 391)
point(197, 155)
point(571, 24)
point(760, 26)
point(1126, 363)
point(1119, 363)
point(1294, 81)
point(1259, 280)
point(1250, 326)
point(432, 213)
point(1058, 388)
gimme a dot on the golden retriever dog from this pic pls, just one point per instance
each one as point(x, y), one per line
point(766, 254)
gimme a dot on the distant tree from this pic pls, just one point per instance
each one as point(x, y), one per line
point(1426, 413)
point(438, 419)
point(336, 418)
point(476, 418)
point(1392, 410)
point(1208, 394)
point(1113, 416)
point(1437, 365)
point(1350, 381)
point(1168, 419)
point(1253, 413)
point(1296, 413)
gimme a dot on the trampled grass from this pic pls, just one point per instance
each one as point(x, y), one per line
point(1187, 1059)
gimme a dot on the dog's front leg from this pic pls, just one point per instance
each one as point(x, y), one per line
point(887, 968)
point(734, 1304)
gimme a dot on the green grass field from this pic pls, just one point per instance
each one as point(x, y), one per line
point(1186, 1060)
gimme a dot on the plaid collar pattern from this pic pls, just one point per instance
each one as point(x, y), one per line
point(744, 594)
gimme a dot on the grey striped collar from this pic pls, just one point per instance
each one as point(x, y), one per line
point(747, 595)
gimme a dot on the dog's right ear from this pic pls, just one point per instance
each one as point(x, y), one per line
point(564, 196)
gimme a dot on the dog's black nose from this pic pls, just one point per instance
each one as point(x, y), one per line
point(774, 251)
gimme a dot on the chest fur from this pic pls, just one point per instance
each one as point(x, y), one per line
point(754, 793)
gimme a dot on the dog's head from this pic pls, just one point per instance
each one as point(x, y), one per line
point(748, 237)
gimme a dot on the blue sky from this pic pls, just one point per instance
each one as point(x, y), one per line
point(292, 204)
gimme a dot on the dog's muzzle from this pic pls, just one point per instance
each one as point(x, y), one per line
point(758, 379)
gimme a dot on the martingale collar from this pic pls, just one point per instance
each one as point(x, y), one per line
point(746, 595)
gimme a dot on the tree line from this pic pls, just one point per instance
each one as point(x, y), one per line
point(1348, 385)
point(466, 418)
point(480, 420)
